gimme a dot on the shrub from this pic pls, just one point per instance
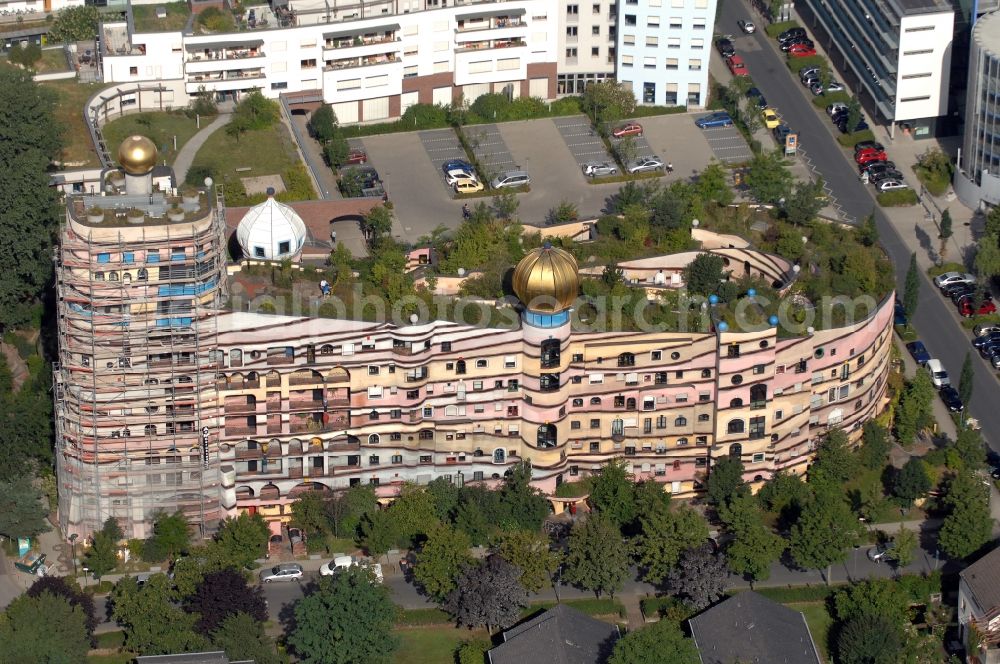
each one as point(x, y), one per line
point(196, 175)
point(800, 594)
point(417, 617)
point(214, 19)
point(934, 169)
point(26, 55)
point(74, 24)
point(795, 64)
point(897, 198)
point(472, 652)
point(565, 106)
point(776, 29)
point(828, 98)
point(298, 185)
point(849, 140)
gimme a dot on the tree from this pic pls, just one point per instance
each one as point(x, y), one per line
point(488, 593)
point(528, 551)
point(348, 619)
point(987, 260)
point(911, 482)
point(309, 514)
point(152, 623)
point(608, 102)
point(853, 113)
point(242, 638)
point(171, 535)
point(47, 629)
point(473, 651)
point(725, 481)
point(700, 576)
point(875, 446)
point(805, 202)
point(966, 379)
point(22, 513)
point(944, 232)
point(25, 55)
point(968, 526)
point(29, 142)
point(754, 547)
point(379, 532)
point(873, 598)
point(445, 496)
point(784, 493)
point(336, 151)
point(904, 547)
point(189, 571)
point(346, 510)
point(867, 232)
point(440, 560)
point(824, 530)
point(911, 288)
point(256, 110)
point(221, 594)
point(244, 538)
point(102, 556)
point(74, 24)
point(835, 461)
point(378, 221)
point(704, 274)
point(70, 590)
point(237, 126)
point(666, 533)
point(970, 449)
point(323, 124)
point(524, 506)
point(713, 184)
point(626, 150)
point(597, 559)
point(914, 412)
point(659, 643)
point(869, 641)
point(612, 492)
point(768, 178)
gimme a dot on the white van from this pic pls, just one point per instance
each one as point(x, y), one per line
point(939, 377)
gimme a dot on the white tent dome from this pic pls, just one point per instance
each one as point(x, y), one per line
point(271, 231)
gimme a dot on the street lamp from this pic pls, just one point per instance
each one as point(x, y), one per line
point(72, 542)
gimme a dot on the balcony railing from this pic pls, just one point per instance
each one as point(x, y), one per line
point(351, 63)
point(241, 431)
point(236, 408)
point(228, 76)
point(490, 44)
point(305, 380)
point(491, 25)
point(226, 54)
point(349, 43)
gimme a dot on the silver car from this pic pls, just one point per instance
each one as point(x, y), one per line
point(282, 572)
point(599, 168)
point(646, 164)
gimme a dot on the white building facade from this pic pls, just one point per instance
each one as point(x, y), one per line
point(664, 47)
point(587, 44)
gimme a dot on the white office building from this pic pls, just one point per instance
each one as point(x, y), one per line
point(587, 44)
point(663, 50)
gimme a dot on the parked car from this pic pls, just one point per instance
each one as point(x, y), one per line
point(836, 107)
point(282, 572)
point(967, 308)
point(890, 184)
point(770, 118)
point(801, 51)
point(758, 96)
point(918, 352)
point(876, 167)
point(630, 129)
point(816, 88)
point(951, 399)
point(959, 291)
point(746, 26)
point(736, 66)
point(990, 350)
point(468, 186)
point(981, 329)
point(834, 86)
point(868, 145)
point(880, 552)
point(596, 169)
point(356, 157)
point(780, 132)
point(812, 71)
point(986, 339)
point(791, 33)
point(718, 119)
point(796, 43)
point(645, 164)
point(454, 175)
point(343, 563)
point(869, 156)
point(883, 176)
point(899, 314)
point(842, 126)
point(511, 179)
point(939, 377)
point(958, 287)
point(725, 47)
point(459, 164)
point(947, 278)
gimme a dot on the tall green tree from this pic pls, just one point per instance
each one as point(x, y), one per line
point(347, 620)
point(346, 510)
point(725, 481)
point(867, 232)
point(597, 559)
point(805, 202)
point(22, 513)
point(713, 184)
point(869, 641)
point(659, 643)
point(853, 113)
point(30, 140)
point(971, 449)
point(944, 232)
point(768, 178)
point(966, 379)
point(704, 274)
point(911, 288)
point(911, 482)
point(529, 551)
point(46, 629)
point(914, 412)
point(244, 538)
point(171, 535)
point(871, 598)
point(754, 547)
point(608, 102)
point(440, 560)
point(68, 588)
point(987, 260)
point(242, 637)
point(875, 445)
point(612, 492)
point(904, 547)
point(152, 623)
point(488, 593)
point(323, 124)
point(824, 531)
point(666, 533)
point(968, 526)
point(102, 556)
point(525, 507)
point(309, 514)
point(835, 461)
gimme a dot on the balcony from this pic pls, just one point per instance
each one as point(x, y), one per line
point(369, 61)
point(240, 430)
point(333, 44)
point(489, 44)
point(214, 54)
point(303, 404)
point(237, 408)
point(493, 24)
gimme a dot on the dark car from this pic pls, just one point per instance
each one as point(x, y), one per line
point(958, 288)
point(918, 352)
point(985, 340)
point(758, 97)
point(791, 33)
point(725, 47)
point(842, 126)
point(875, 167)
point(881, 176)
point(990, 349)
point(899, 314)
point(717, 119)
point(951, 399)
point(457, 164)
point(780, 132)
point(961, 292)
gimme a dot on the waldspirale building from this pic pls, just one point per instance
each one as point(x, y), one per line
point(167, 399)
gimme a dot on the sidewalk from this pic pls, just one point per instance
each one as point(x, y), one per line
point(185, 156)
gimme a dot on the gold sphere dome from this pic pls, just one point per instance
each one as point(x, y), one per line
point(137, 155)
point(547, 279)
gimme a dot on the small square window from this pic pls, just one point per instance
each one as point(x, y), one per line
point(656, 355)
point(595, 424)
point(445, 346)
point(372, 371)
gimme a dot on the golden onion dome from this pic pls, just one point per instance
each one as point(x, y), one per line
point(137, 155)
point(547, 279)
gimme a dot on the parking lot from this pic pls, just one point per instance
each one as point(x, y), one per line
point(490, 150)
point(442, 145)
point(583, 142)
point(728, 144)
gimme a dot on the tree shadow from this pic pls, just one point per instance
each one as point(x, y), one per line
point(925, 242)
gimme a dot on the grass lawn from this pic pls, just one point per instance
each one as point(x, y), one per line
point(819, 621)
point(70, 100)
point(265, 152)
point(432, 645)
point(116, 658)
point(160, 126)
point(146, 21)
point(53, 60)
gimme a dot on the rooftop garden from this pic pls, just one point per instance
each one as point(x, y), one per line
point(70, 98)
point(160, 127)
point(643, 220)
point(145, 19)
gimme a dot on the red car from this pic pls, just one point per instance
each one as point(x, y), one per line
point(630, 129)
point(736, 66)
point(965, 307)
point(801, 51)
point(869, 157)
point(356, 157)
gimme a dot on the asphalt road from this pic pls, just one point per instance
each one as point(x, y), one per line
point(936, 319)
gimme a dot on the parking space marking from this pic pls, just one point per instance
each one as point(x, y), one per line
point(583, 142)
point(442, 145)
point(728, 144)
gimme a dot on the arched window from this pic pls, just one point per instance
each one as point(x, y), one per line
point(595, 401)
point(758, 397)
point(736, 450)
point(618, 427)
point(626, 360)
point(703, 417)
point(680, 421)
point(460, 367)
point(98, 276)
point(113, 276)
point(550, 354)
point(706, 373)
point(426, 434)
point(736, 403)
point(547, 436)
point(373, 439)
point(548, 382)
point(142, 274)
point(149, 429)
point(326, 349)
point(682, 441)
point(630, 403)
point(735, 426)
point(578, 403)
point(499, 455)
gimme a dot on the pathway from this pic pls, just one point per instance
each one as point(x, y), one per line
point(185, 156)
point(312, 154)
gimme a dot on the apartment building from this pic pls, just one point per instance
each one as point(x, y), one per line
point(895, 55)
point(587, 44)
point(664, 47)
point(977, 178)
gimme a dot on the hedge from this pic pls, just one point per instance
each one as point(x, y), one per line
point(650, 111)
point(785, 595)
point(850, 140)
point(935, 270)
point(416, 617)
point(920, 587)
point(897, 198)
point(795, 64)
point(828, 98)
point(776, 29)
